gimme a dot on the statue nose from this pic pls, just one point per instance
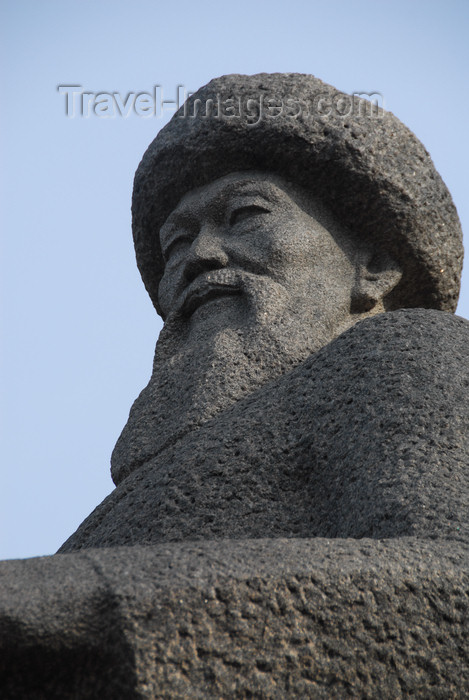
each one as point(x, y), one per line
point(206, 253)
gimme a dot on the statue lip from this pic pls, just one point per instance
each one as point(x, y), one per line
point(207, 287)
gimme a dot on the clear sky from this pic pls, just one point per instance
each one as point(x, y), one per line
point(77, 328)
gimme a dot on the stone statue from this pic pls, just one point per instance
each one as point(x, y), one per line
point(305, 432)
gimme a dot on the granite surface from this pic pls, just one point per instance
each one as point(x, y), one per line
point(266, 618)
point(367, 438)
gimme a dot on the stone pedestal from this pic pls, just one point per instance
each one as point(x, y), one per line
point(268, 618)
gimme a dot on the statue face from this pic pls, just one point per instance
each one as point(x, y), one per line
point(248, 246)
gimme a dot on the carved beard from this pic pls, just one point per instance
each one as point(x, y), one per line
point(230, 346)
point(227, 348)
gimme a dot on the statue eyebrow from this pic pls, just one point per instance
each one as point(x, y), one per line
point(266, 190)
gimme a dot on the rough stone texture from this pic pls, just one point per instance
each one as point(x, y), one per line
point(366, 165)
point(301, 489)
point(367, 438)
point(258, 618)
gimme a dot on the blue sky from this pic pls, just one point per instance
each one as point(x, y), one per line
point(77, 328)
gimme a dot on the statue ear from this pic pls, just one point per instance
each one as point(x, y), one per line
point(377, 274)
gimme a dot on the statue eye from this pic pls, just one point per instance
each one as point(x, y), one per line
point(246, 212)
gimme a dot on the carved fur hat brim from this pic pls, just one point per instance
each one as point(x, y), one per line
point(368, 167)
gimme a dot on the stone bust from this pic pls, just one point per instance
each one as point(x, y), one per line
point(278, 251)
point(292, 486)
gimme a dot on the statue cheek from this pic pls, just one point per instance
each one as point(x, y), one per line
point(287, 250)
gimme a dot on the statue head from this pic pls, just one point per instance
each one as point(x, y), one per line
point(302, 160)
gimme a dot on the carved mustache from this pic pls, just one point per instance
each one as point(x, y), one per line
point(210, 285)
